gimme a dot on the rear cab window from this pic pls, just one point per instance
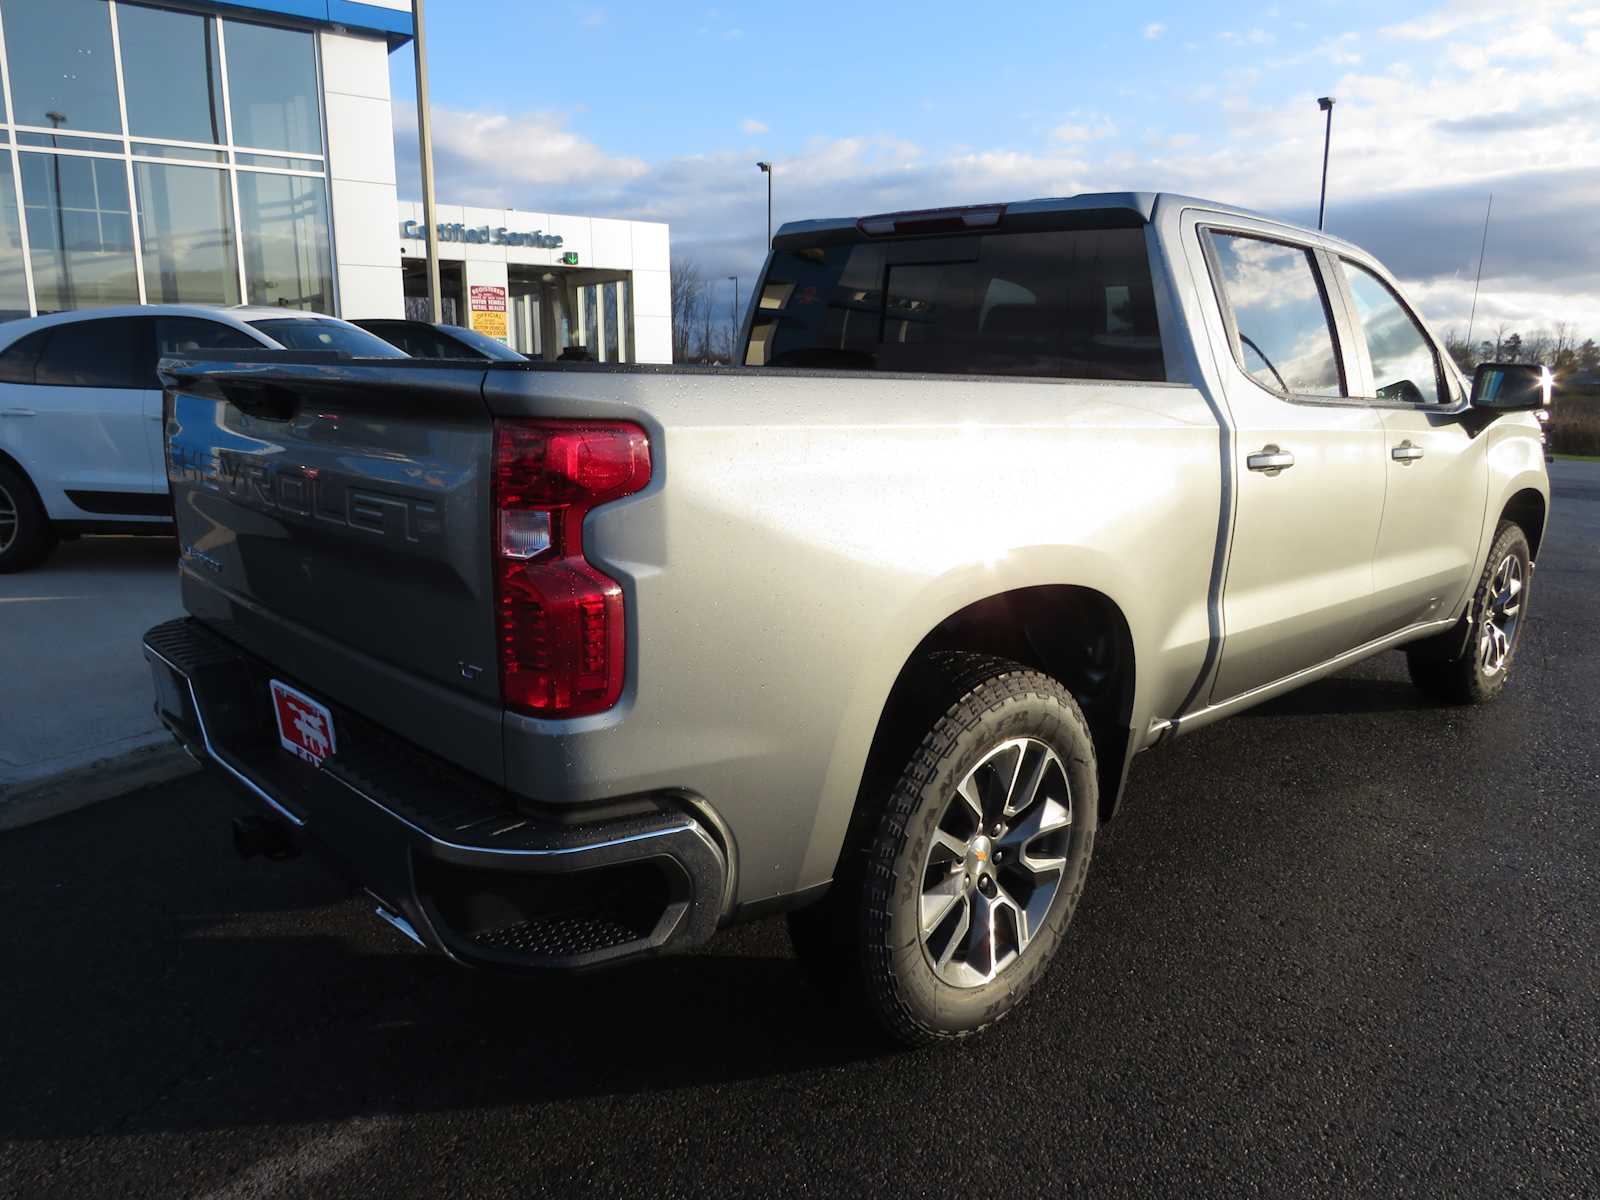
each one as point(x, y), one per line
point(1076, 304)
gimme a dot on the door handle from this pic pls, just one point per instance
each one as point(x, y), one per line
point(1270, 459)
point(17, 412)
point(1405, 452)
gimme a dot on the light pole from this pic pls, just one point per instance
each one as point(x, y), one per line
point(1325, 103)
point(57, 120)
point(430, 218)
point(766, 169)
point(733, 338)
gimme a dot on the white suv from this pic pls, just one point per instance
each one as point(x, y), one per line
point(80, 411)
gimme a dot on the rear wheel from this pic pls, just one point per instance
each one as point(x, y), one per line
point(1478, 673)
point(973, 861)
point(25, 536)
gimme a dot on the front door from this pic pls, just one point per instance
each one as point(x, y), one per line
point(1308, 466)
point(1438, 474)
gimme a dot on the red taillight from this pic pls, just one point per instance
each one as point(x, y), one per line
point(560, 620)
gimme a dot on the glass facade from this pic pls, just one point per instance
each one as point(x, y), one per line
point(160, 156)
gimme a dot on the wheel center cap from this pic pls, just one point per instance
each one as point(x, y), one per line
point(980, 855)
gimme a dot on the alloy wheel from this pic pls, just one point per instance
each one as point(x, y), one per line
point(1501, 615)
point(995, 862)
point(8, 520)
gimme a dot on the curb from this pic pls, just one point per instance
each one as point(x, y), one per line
point(155, 759)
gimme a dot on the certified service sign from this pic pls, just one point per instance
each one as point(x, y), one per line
point(488, 304)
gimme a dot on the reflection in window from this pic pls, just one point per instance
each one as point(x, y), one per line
point(1403, 362)
point(272, 88)
point(284, 224)
point(625, 328)
point(1284, 334)
point(610, 303)
point(13, 279)
point(186, 235)
point(62, 71)
point(171, 74)
point(80, 231)
point(1077, 304)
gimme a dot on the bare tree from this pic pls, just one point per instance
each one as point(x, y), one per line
point(689, 297)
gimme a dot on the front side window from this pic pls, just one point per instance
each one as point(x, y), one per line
point(186, 234)
point(1065, 303)
point(1285, 334)
point(191, 335)
point(1404, 365)
point(109, 353)
point(309, 333)
point(63, 74)
point(284, 223)
point(171, 74)
point(272, 88)
point(80, 231)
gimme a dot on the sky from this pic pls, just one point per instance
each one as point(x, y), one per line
point(659, 111)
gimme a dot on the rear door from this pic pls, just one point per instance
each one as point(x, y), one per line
point(1438, 474)
point(1307, 461)
point(92, 387)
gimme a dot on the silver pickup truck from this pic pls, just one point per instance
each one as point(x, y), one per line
point(572, 664)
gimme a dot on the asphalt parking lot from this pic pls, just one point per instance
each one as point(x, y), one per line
point(1343, 945)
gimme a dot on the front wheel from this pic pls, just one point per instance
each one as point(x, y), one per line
point(1478, 673)
point(976, 857)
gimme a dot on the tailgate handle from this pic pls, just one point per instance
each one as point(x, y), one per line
point(269, 401)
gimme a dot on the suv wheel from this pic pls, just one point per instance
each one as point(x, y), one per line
point(25, 535)
point(972, 863)
point(1499, 607)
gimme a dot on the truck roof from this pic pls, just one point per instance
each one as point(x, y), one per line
point(1142, 204)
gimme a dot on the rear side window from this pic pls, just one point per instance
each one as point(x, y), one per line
point(1281, 317)
point(19, 359)
point(113, 352)
point(1404, 365)
point(1074, 304)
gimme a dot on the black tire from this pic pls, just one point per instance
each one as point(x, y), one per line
point(25, 534)
point(1467, 676)
point(866, 941)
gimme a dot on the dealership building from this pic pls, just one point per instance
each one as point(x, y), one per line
point(243, 152)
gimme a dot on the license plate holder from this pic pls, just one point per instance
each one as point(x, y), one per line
point(305, 726)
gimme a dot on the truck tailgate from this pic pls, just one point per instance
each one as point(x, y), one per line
point(334, 520)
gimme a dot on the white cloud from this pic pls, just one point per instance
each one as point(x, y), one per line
point(1465, 14)
point(1154, 30)
point(1250, 37)
point(1084, 130)
point(487, 150)
point(751, 125)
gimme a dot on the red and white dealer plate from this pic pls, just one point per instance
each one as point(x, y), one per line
point(305, 727)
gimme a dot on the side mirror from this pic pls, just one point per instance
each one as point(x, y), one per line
point(1511, 387)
